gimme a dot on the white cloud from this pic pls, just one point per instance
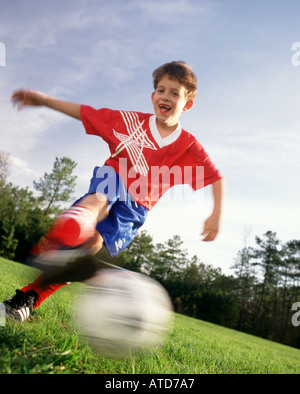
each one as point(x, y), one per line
point(109, 58)
point(22, 165)
point(21, 130)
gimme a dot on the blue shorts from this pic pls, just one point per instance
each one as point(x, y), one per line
point(125, 215)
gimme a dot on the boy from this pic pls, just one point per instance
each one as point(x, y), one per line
point(144, 148)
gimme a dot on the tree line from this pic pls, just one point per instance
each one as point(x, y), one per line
point(257, 298)
point(25, 216)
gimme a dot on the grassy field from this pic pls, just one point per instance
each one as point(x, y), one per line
point(49, 343)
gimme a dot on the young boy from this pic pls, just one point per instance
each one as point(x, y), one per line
point(149, 154)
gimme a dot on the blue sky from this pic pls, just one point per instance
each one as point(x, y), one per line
point(102, 53)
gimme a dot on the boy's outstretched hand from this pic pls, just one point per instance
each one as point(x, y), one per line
point(211, 228)
point(23, 97)
point(212, 223)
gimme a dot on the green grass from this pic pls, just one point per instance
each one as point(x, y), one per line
point(49, 343)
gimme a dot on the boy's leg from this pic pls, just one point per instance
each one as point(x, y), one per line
point(42, 291)
point(74, 227)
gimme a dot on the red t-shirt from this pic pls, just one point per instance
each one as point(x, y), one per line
point(148, 164)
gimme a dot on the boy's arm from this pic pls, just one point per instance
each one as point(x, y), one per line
point(212, 223)
point(22, 98)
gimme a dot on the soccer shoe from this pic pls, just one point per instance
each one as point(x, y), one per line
point(65, 265)
point(19, 307)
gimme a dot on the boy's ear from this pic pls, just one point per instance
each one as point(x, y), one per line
point(189, 105)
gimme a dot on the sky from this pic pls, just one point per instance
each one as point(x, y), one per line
point(102, 53)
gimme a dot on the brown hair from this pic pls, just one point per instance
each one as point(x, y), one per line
point(180, 71)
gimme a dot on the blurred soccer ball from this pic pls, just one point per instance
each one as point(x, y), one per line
point(123, 312)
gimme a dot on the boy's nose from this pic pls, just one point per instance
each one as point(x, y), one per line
point(165, 96)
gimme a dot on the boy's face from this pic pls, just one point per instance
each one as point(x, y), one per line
point(169, 101)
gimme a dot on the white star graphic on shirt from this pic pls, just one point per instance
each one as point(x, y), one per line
point(134, 142)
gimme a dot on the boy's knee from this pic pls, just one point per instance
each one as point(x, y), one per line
point(98, 204)
point(95, 243)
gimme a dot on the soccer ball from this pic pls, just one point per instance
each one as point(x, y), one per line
point(123, 312)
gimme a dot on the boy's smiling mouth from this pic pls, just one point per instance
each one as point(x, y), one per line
point(164, 108)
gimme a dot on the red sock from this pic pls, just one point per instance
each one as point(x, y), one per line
point(42, 291)
point(73, 227)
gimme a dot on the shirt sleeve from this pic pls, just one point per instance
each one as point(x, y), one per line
point(203, 171)
point(97, 121)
